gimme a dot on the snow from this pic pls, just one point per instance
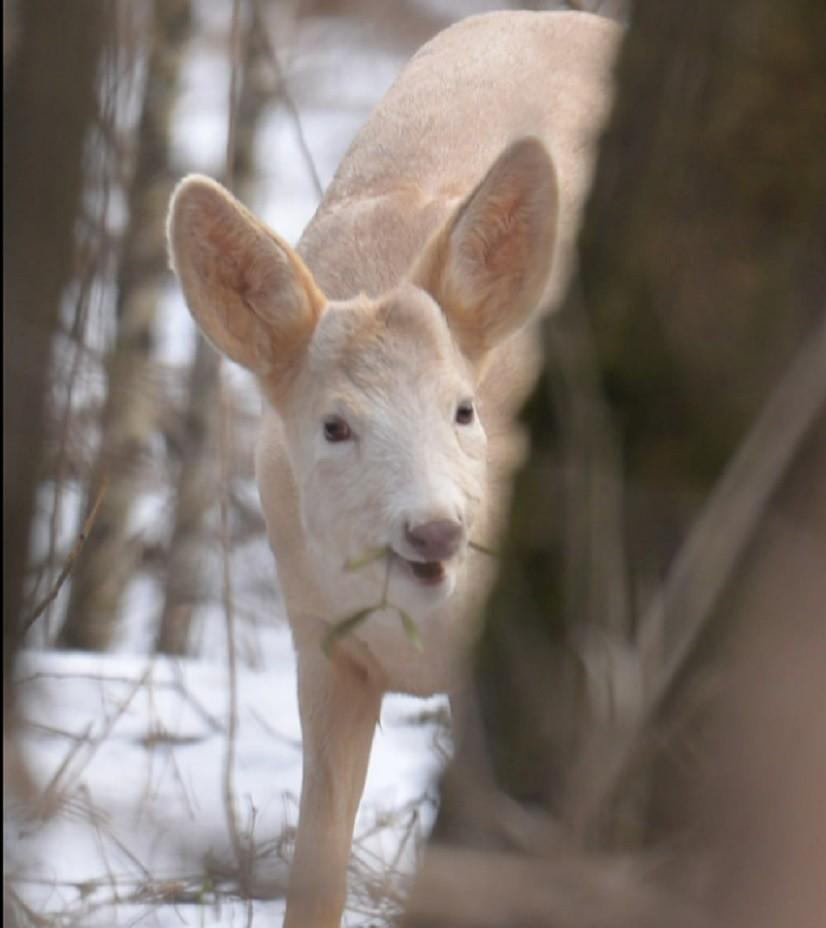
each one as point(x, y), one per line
point(130, 755)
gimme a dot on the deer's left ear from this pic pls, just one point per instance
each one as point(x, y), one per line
point(489, 264)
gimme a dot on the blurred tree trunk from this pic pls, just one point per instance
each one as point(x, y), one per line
point(49, 106)
point(110, 556)
point(196, 491)
point(198, 482)
point(700, 298)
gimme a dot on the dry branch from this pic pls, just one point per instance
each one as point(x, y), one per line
point(70, 560)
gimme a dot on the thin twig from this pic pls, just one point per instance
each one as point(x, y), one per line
point(104, 855)
point(236, 57)
point(177, 685)
point(73, 555)
point(289, 103)
point(12, 897)
point(82, 740)
point(94, 744)
point(77, 334)
point(229, 613)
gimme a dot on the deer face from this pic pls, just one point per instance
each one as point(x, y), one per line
point(388, 450)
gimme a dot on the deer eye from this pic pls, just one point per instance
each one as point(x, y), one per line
point(465, 412)
point(336, 429)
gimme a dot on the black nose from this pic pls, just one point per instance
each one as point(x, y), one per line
point(435, 541)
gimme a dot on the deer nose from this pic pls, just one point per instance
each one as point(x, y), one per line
point(435, 541)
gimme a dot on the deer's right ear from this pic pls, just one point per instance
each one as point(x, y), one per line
point(250, 293)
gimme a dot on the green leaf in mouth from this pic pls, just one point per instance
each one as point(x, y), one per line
point(348, 625)
point(370, 556)
point(482, 549)
point(410, 628)
point(345, 627)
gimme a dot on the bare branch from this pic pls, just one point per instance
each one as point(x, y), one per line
point(73, 555)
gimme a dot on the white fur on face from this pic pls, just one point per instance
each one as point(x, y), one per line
point(391, 371)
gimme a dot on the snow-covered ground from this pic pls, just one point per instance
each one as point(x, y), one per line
point(131, 755)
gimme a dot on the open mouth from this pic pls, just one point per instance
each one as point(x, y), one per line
point(428, 573)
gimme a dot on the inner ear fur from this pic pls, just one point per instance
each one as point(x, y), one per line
point(250, 293)
point(489, 264)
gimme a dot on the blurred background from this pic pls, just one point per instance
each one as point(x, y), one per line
point(152, 759)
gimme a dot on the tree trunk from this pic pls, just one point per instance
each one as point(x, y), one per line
point(49, 106)
point(629, 573)
point(198, 480)
point(110, 556)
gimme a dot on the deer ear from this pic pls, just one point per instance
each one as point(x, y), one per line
point(489, 264)
point(250, 293)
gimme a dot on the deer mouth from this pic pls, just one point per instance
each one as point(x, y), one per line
point(427, 573)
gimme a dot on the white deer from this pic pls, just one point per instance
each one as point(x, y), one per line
point(392, 352)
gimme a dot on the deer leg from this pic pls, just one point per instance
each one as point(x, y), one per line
point(339, 709)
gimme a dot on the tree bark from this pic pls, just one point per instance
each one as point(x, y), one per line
point(698, 313)
point(198, 482)
point(49, 105)
point(110, 556)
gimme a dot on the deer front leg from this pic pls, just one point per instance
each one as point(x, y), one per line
point(339, 708)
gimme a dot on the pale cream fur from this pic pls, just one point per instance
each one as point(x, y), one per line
point(448, 225)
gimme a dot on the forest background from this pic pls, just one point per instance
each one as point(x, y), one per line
point(149, 714)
